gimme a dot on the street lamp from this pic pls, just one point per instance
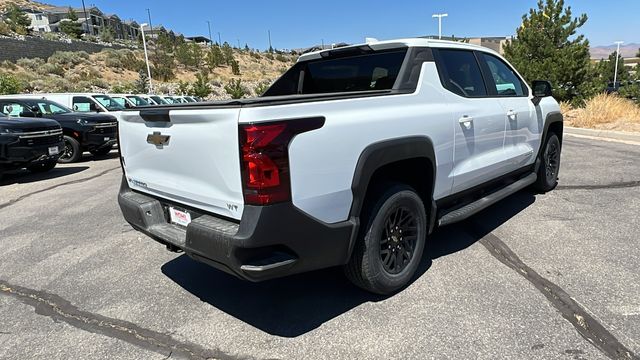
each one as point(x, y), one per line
point(146, 57)
point(439, 16)
point(210, 37)
point(615, 75)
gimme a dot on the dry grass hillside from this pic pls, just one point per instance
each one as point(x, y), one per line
point(24, 3)
point(118, 70)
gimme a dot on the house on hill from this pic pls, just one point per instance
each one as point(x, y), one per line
point(93, 21)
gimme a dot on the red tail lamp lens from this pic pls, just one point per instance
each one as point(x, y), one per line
point(265, 159)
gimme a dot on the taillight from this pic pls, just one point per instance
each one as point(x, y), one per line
point(264, 151)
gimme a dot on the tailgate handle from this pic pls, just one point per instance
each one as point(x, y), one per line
point(155, 115)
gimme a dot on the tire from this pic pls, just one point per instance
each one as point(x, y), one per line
point(549, 165)
point(102, 151)
point(42, 167)
point(71, 152)
point(374, 264)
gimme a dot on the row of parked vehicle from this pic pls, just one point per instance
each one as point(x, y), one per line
point(37, 131)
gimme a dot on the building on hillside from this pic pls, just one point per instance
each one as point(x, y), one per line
point(93, 21)
point(198, 39)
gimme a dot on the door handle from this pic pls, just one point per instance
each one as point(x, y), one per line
point(512, 115)
point(466, 121)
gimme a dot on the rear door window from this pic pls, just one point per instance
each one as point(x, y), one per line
point(460, 72)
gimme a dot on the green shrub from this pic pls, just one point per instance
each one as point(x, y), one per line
point(235, 89)
point(281, 58)
point(68, 58)
point(262, 87)
point(113, 63)
point(99, 82)
point(8, 65)
point(51, 69)
point(201, 87)
point(4, 28)
point(30, 64)
point(269, 56)
point(9, 84)
point(256, 55)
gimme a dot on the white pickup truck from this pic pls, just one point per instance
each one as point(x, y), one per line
point(351, 158)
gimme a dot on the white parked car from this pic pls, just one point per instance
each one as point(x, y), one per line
point(352, 158)
point(81, 102)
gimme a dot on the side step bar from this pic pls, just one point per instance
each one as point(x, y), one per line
point(481, 204)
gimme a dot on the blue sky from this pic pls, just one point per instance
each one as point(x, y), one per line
point(296, 24)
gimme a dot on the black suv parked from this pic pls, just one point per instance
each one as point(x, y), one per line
point(96, 133)
point(35, 144)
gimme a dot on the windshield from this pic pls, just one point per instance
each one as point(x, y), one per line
point(109, 103)
point(159, 100)
point(119, 100)
point(47, 107)
point(138, 100)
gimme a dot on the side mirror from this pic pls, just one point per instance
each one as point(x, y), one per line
point(541, 89)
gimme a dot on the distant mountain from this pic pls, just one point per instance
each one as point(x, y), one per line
point(626, 50)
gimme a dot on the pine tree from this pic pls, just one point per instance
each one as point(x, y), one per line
point(141, 85)
point(215, 57)
point(201, 87)
point(607, 68)
point(547, 48)
point(70, 26)
point(227, 51)
point(17, 20)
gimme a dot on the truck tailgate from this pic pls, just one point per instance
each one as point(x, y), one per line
point(192, 159)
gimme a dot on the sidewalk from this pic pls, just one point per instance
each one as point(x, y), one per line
point(620, 136)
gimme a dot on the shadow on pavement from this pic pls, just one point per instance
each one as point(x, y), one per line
point(26, 177)
point(293, 306)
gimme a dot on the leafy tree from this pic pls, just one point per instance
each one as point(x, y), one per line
point(70, 26)
point(246, 48)
point(547, 47)
point(235, 89)
point(201, 87)
point(107, 34)
point(10, 85)
point(17, 20)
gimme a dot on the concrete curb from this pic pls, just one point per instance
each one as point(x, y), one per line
point(604, 134)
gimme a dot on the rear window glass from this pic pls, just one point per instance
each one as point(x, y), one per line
point(377, 71)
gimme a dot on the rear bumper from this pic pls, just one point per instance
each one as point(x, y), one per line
point(268, 242)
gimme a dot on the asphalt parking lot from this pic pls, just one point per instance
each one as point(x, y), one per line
point(553, 276)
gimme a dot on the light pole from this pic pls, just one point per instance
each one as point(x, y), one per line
point(615, 75)
point(146, 57)
point(439, 16)
point(150, 25)
point(210, 37)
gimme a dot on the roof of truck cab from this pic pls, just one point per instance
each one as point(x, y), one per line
point(397, 43)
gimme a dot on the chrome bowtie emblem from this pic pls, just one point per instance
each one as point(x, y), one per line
point(158, 139)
